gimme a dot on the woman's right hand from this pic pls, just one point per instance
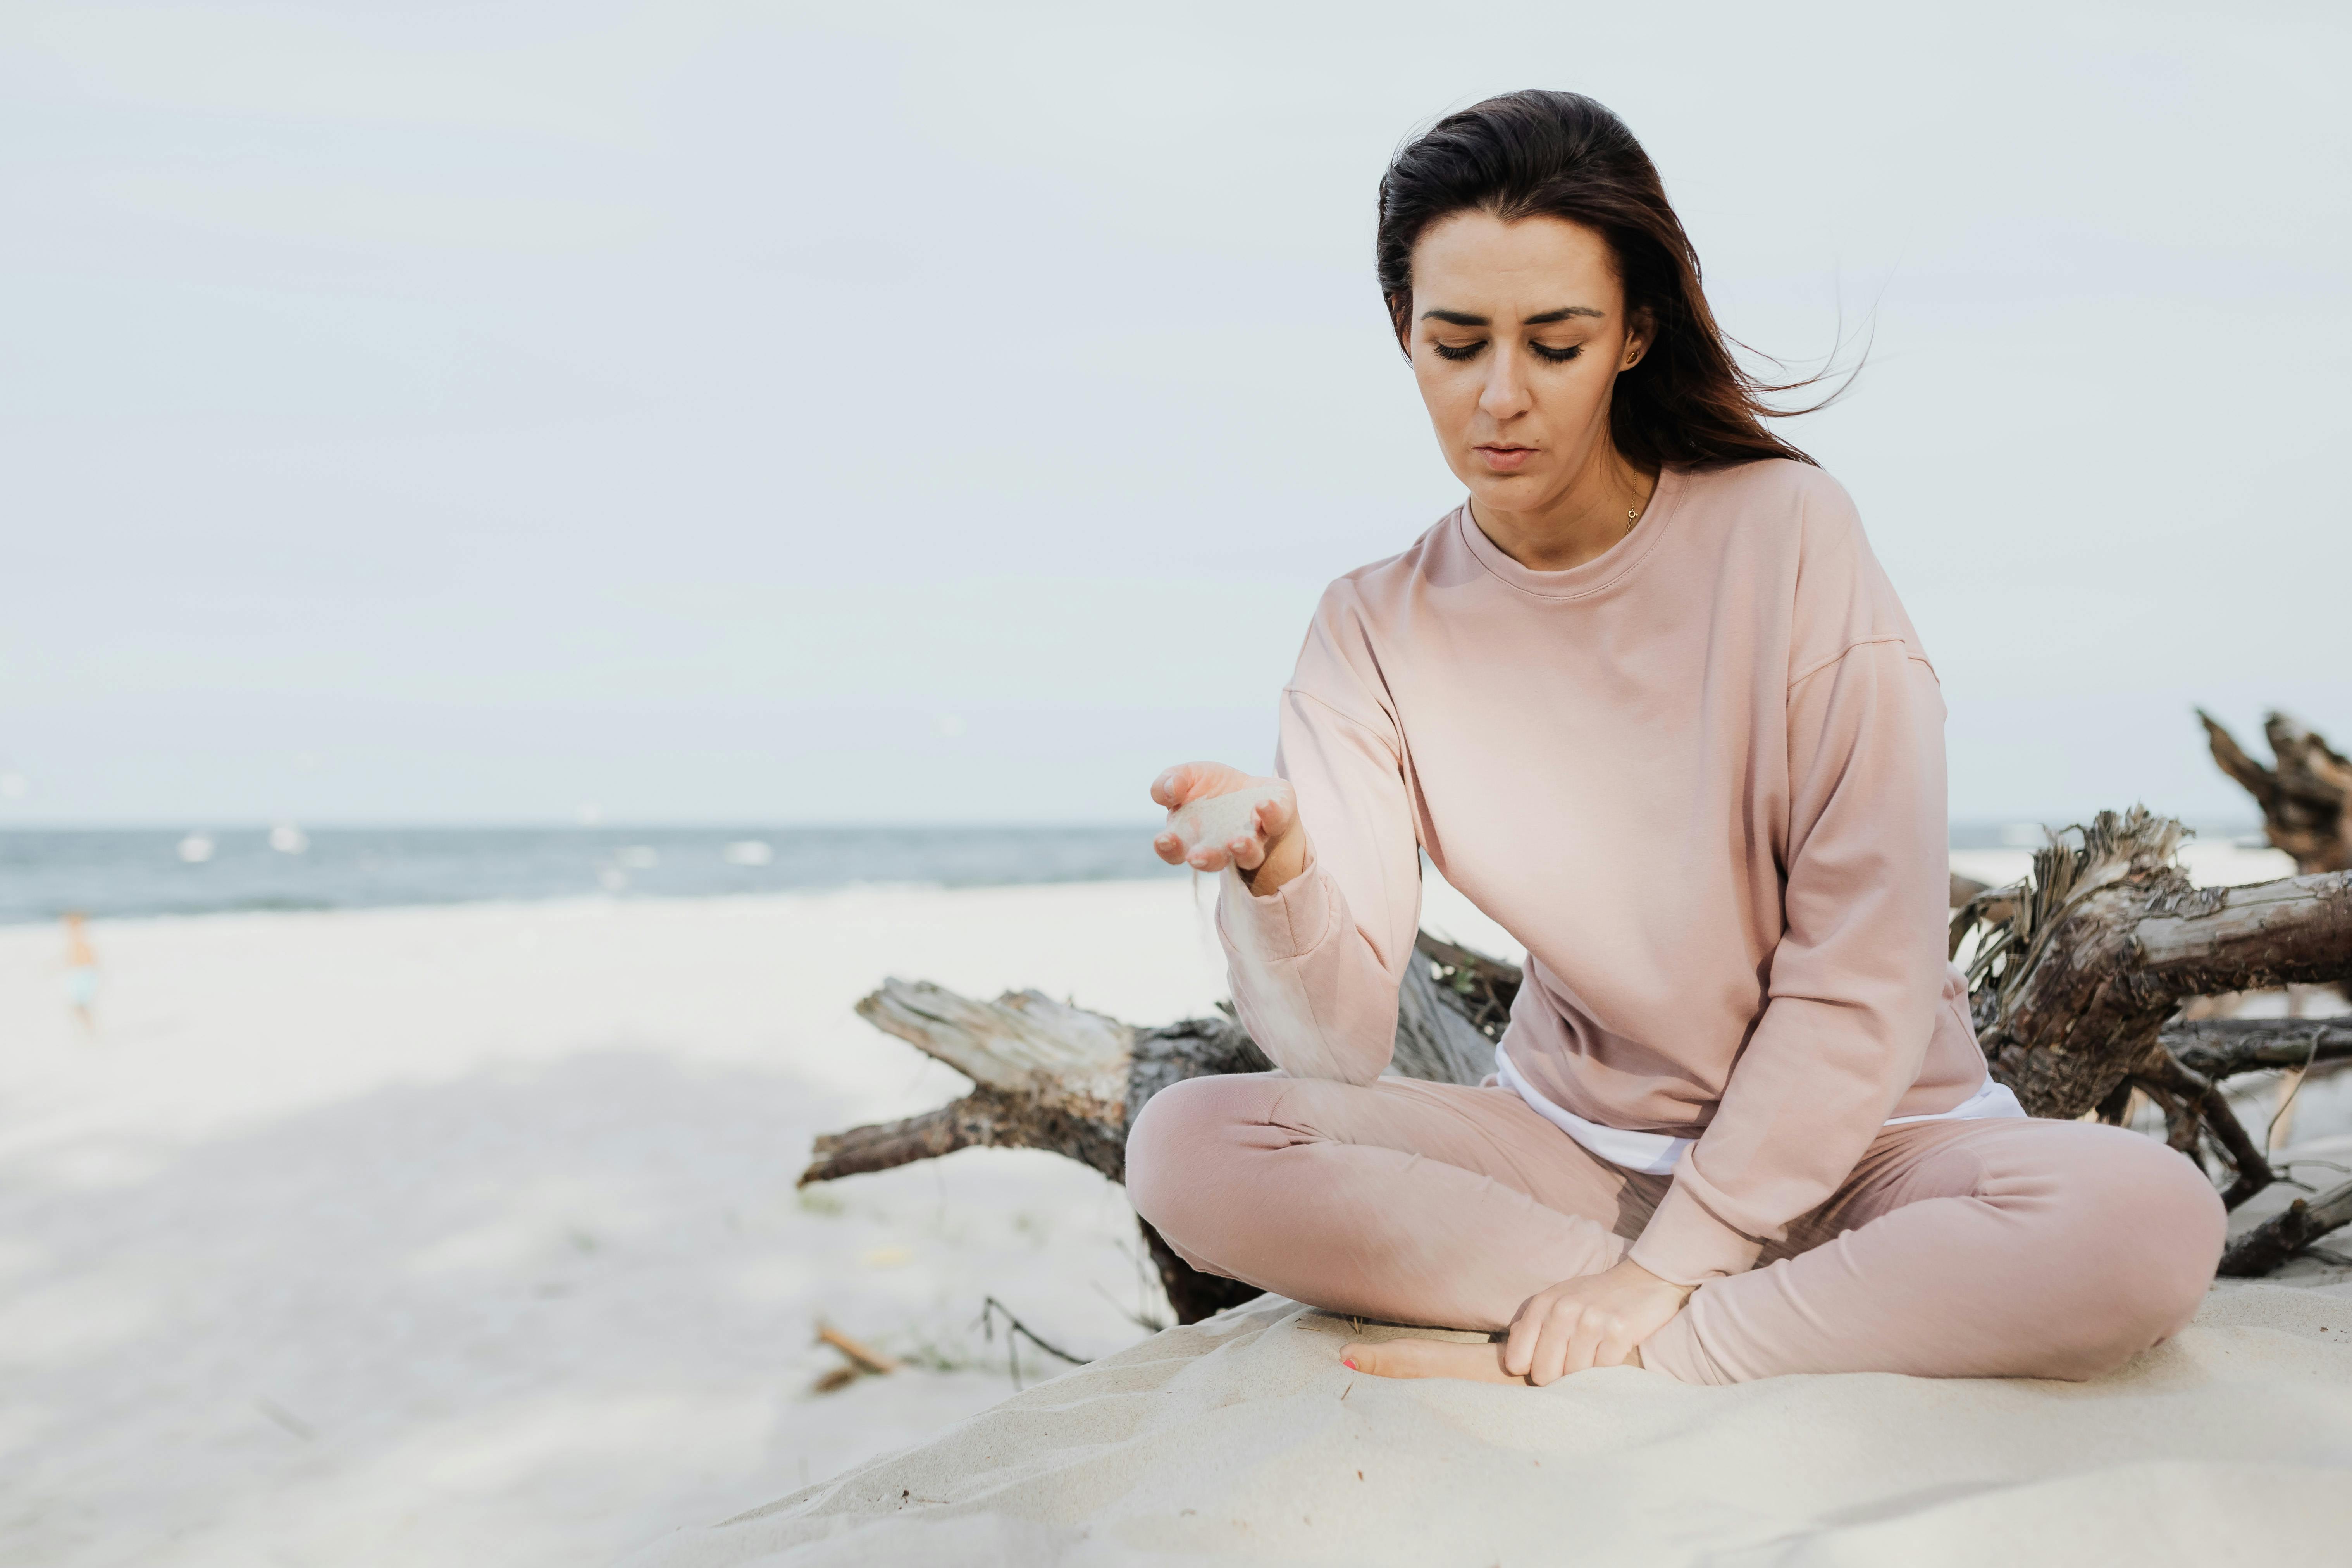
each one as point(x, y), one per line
point(1256, 830)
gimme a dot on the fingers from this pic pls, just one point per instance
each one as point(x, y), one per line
point(1215, 825)
point(1520, 1345)
point(1208, 857)
point(1276, 815)
point(1549, 1364)
point(1189, 782)
point(1173, 788)
point(1220, 816)
point(1170, 847)
point(1594, 1320)
point(1585, 1340)
point(1556, 1335)
point(1248, 854)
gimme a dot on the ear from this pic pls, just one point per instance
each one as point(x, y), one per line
point(1400, 322)
point(1639, 331)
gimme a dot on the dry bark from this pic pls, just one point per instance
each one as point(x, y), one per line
point(2306, 798)
point(2107, 936)
point(2078, 982)
point(1044, 1075)
point(2283, 1235)
point(2225, 1048)
point(2201, 1104)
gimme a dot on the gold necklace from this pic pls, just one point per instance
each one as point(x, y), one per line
point(1633, 516)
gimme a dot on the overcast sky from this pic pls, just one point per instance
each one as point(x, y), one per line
point(436, 412)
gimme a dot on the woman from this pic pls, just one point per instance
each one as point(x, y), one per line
point(1650, 702)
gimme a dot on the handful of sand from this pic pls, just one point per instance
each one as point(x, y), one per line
point(1222, 818)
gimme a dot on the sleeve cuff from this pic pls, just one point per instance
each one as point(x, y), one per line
point(1684, 1243)
point(1284, 924)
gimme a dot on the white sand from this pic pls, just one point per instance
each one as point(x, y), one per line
point(1242, 1440)
point(469, 1235)
point(495, 1206)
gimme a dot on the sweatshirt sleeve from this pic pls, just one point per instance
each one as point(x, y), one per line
point(1856, 975)
point(1316, 966)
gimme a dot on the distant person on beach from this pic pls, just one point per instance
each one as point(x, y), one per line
point(81, 972)
point(1648, 699)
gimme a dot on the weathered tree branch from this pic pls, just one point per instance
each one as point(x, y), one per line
point(2224, 1047)
point(2105, 938)
point(2197, 941)
point(971, 1121)
point(2306, 799)
point(1023, 1043)
point(2283, 1235)
point(2201, 1099)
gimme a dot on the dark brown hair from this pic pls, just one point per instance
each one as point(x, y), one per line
point(1560, 154)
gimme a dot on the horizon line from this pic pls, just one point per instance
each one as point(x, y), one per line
point(194, 824)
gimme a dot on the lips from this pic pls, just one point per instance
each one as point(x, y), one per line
point(1505, 459)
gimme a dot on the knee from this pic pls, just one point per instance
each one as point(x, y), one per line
point(2146, 1230)
point(1181, 1140)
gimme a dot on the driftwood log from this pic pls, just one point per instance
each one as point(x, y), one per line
point(2076, 978)
point(2224, 1047)
point(1046, 1075)
point(2275, 1240)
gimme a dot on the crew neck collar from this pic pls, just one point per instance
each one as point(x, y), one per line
point(1619, 561)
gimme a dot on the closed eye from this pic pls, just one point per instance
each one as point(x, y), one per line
point(1471, 350)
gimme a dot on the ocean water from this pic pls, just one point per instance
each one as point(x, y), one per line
point(109, 872)
point(106, 872)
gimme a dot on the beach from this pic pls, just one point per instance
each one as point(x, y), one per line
point(521, 622)
point(432, 1236)
point(469, 1233)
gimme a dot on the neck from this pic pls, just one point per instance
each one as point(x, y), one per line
point(1576, 525)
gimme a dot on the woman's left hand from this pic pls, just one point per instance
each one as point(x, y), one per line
point(1596, 1320)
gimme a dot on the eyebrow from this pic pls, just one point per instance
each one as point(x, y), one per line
point(1463, 319)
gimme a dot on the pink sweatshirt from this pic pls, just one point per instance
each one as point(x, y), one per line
point(1701, 778)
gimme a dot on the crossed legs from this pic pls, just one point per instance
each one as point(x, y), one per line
point(1955, 1249)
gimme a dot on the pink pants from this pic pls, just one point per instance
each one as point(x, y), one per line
point(2004, 1248)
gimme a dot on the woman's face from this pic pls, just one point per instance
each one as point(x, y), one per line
point(1518, 333)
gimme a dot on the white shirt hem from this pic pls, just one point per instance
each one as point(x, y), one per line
point(1654, 1153)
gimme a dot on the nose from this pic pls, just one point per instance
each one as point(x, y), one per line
point(1505, 395)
